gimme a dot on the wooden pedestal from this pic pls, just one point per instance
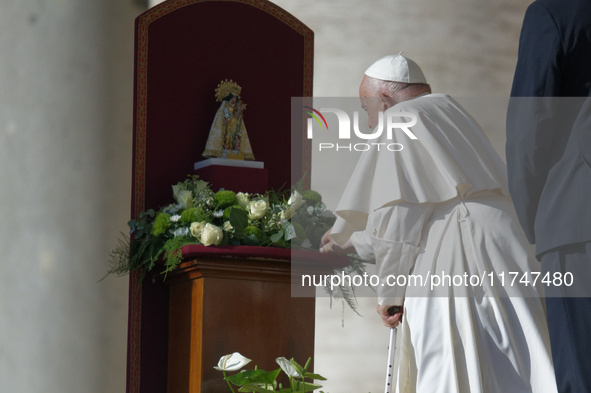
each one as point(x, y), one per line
point(223, 305)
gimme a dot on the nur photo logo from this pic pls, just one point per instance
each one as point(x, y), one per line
point(388, 121)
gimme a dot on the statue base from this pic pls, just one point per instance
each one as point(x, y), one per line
point(232, 155)
point(234, 175)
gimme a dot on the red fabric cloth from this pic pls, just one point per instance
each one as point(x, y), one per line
point(301, 256)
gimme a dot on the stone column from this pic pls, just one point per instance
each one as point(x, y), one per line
point(66, 80)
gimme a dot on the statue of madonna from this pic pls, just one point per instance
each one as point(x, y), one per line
point(227, 136)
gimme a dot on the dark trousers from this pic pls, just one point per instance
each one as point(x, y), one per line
point(568, 310)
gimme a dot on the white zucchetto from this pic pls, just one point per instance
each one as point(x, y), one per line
point(396, 68)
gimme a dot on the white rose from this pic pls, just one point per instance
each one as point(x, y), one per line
point(295, 200)
point(242, 199)
point(257, 209)
point(227, 226)
point(175, 191)
point(211, 234)
point(285, 214)
point(185, 199)
point(197, 228)
point(199, 186)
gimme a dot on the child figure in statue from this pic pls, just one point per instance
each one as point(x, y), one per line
point(227, 136)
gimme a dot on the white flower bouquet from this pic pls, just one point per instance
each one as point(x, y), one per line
point(200, 216)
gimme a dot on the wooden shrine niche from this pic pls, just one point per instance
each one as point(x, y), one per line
point(183, 49)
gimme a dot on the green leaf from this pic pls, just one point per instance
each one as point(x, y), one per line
point(269, 377)
point(307, 363)
point(239, 221)
point(254, 387)
point(250, 380)
point(289, 230)
point(314, 376)
point(245, 377)
point(132, 224)
point(297, 366)
point(251, 240)
point(276, 236)
point(301, 387)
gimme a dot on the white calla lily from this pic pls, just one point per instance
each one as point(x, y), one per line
point(232, 362)
point(287, 367)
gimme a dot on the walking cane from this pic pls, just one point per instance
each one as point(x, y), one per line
point(391, 349)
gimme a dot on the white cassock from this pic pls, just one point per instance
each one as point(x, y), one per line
point(440, 208)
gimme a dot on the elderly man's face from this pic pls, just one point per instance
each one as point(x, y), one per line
point(371, 102)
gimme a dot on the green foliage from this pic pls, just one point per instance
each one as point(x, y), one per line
point(254, 231)
point(300, 232)
point(253, 378)
point(228, 212)
point(343, 292)
point(119, 257)
point(311, 223)
point(161, 224)
point(312, 197)
point(238, 218)
point(143, 225)
point(194, 214)
point(273, 219)
point(261, 381)
point(172, 251)
point(224, 199)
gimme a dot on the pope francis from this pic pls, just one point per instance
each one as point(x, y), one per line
point(439, 208)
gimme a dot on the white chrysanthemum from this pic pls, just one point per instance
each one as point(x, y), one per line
point(184, 231)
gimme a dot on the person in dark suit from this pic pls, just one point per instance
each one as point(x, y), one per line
point(549, 165)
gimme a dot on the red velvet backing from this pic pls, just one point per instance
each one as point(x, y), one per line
point(184, 48)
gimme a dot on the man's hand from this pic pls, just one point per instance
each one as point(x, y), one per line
point(328, 245)
point(390, 320)
point(326, 238)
